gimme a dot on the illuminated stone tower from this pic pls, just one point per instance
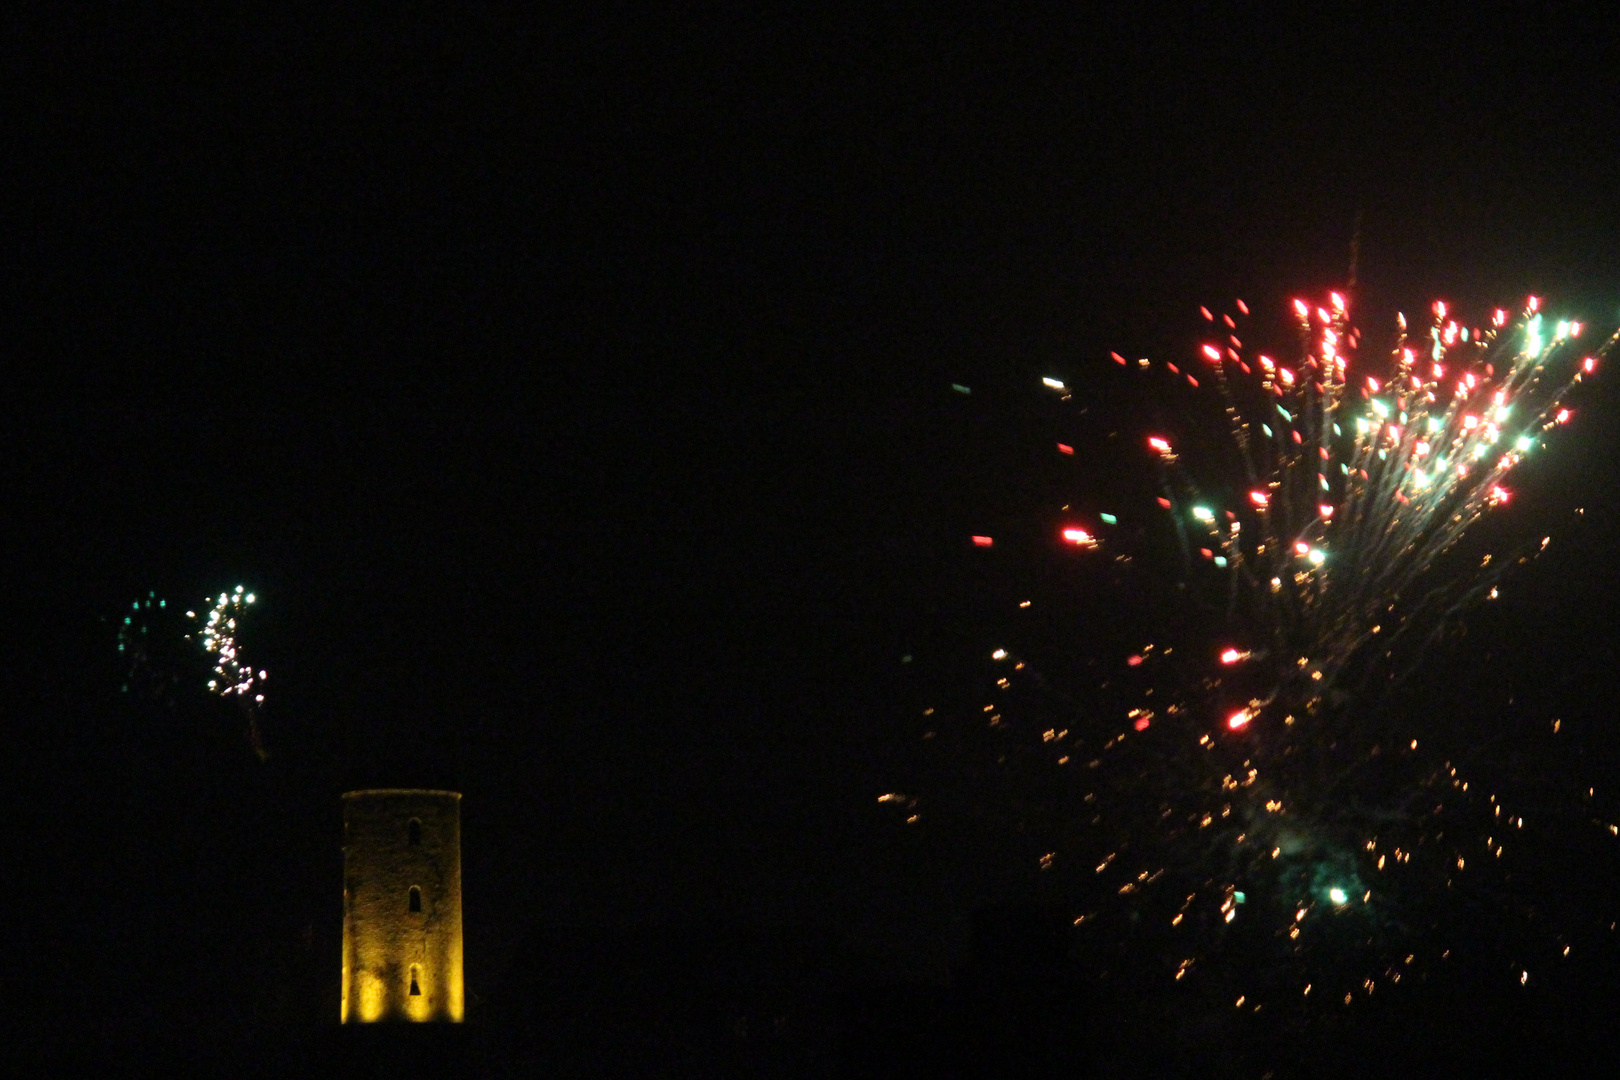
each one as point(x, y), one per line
point(402, 906)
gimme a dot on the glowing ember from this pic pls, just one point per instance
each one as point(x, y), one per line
point(1079, 537)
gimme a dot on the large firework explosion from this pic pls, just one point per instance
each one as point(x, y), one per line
point(1236, 804)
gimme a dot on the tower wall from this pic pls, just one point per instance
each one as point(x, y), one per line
point(386, 944)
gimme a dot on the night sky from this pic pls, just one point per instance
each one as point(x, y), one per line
point(574, 391)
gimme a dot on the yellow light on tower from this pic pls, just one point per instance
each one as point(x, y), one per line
point(402, 953)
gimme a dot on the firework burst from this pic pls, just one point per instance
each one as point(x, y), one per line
point(234, 679)
point(159, 650)
point(1359, 486)
point(1241, 810)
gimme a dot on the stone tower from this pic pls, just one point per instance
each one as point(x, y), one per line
point(402, 906)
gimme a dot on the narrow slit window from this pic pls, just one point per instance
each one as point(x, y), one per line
point(416, 898)
point(416, 987)
point(413, 832)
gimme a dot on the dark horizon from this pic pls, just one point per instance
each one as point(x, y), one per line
point(575, 392)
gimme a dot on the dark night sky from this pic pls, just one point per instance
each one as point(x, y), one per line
point(574, 389)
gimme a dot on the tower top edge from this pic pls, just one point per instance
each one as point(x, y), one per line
point(402, 791)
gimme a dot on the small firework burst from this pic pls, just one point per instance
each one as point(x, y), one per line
point(233, 678)
point(164, 652)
